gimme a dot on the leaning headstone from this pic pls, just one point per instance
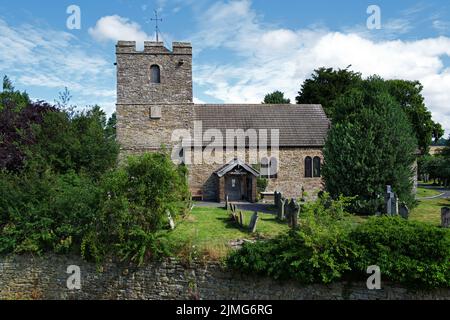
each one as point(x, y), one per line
point(403, 210)
point(241, 218)
point(171, 222)
point(445, 217)
point(253, 222)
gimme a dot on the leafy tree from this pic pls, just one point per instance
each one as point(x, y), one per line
point(17, 125)
point(438, 133)
point(365, 151)
point(11, 97)
point(80, 143)
point(276, 97)
point(136, 199)
point(111, 126)
point(409, 95)
point(325, 86)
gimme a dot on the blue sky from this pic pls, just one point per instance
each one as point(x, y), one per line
point(242, 48)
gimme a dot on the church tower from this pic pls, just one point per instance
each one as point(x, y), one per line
point(154, 94)
point(155, 75)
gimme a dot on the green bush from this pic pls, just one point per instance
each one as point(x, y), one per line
point(45, 212)
point(80, 142)
point(408, 252)
point(118, 216)
point(319, 252)
point(328, 247)
point(134, 206)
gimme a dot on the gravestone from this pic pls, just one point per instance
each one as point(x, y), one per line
point(403, 211)
point(276, 199)
point(282, 209)
point(241, 219)
point(171, 222)
point(253, 222)
point(293, 211)
point(445, 217)
point(395, 205)
point(391, 202)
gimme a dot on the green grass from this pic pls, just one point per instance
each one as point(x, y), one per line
point(429, 211)
point(424, 192)
point(209, 231)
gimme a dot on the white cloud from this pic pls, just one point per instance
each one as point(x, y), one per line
point(270, 58)
point(115, 28)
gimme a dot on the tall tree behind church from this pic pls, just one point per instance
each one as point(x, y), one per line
point(326, 85)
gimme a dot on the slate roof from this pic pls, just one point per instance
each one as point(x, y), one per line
point(299, 125)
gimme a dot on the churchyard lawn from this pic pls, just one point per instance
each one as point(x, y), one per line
point(209, 231)
point(429, 210)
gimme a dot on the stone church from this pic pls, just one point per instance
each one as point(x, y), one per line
point(154, 100)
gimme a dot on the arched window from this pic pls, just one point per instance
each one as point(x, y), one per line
point(316, 167)
point(308, 167)
point(155, 74)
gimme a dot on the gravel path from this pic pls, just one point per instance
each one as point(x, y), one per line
point(445, 193)
point(245, 206)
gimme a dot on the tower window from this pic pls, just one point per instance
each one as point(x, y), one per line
point(155, 74)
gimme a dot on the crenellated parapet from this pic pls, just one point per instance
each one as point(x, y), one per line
point(152, 47)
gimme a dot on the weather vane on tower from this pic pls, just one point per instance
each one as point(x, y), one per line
point(156, 19)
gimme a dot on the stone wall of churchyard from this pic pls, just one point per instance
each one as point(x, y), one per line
point(27, 277)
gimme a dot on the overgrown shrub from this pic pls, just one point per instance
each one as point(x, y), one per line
point(319, 252)
point(45, 212)
point(328, 247)
point(118, 216)
point(134, 206)
point(408, 252)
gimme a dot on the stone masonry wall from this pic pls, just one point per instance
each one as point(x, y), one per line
point(137, 132)
point(28, 277)
point(290, 179)
point(133, 73)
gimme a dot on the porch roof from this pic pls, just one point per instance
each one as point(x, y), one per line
point(234, 164)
